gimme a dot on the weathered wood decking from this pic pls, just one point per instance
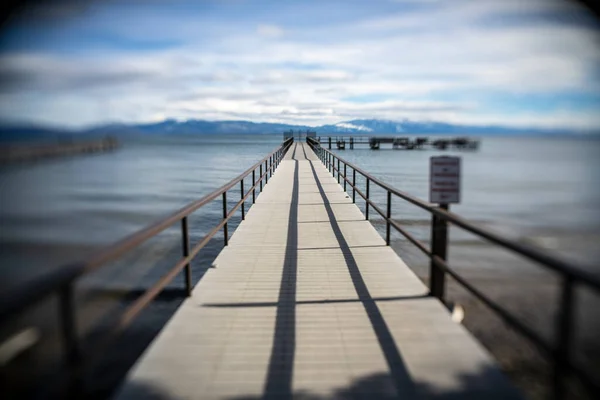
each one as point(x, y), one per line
point(308, 302)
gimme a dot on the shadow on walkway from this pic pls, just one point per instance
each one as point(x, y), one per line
point(281, 362)
point(399, 373)
point(375, 386)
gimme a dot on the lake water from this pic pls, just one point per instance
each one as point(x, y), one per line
point(537, 190)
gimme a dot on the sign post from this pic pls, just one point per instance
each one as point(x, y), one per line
point(444, 188)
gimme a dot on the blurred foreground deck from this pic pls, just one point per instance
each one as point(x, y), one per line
point(308, 302)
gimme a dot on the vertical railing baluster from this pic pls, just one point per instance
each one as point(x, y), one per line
point(439, 243)
point(334, 168)
point(564, 325)
point(345, 177)
point(333, 171)
point(69, 337)
point(260, 176)
point(253, 186)
point(367, 200)
point(266, 173)
point(353, 185)
point(225, 233)
point(242, 199)
point(338, 169)
point(388, 218)
point(185, 246)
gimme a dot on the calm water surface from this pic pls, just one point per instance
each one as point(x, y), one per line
point(542, 191)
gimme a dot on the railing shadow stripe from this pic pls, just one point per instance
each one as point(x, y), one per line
point(278, 383)
point(399, 372)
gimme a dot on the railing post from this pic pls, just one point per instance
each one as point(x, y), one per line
point(439, 243)
point(329, 142)
point(266, 173)
point(185, 246)
point(388, 217)
point(345, 177)
point(69, 337)
point(338, 170)
point(225, 234)
point(253, 186)
point(332, 165)
point(367, 201)
point(260, 177)
point(353, 185)
point(333, 168)
point(564, 323)
point(242, 199)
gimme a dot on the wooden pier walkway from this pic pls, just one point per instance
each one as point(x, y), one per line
point(308, 302)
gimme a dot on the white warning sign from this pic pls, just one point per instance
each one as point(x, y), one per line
point(444, 180)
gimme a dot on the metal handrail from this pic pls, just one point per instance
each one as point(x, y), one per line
point(572, 273)
point(62, 280)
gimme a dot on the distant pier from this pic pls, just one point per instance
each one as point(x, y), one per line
point(18, 153)
point(399, 142)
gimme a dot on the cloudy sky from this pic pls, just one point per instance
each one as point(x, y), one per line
point(516, 63)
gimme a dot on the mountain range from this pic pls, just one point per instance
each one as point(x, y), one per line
point(194, 126)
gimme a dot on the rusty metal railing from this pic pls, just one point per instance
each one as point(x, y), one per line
point(571, 274)
point(62, 281)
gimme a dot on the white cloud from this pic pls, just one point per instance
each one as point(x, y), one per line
point(439, 63)
point(271, 31)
